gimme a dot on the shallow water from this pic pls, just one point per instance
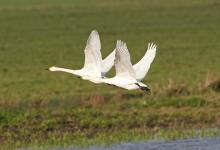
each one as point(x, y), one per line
point(190, 144)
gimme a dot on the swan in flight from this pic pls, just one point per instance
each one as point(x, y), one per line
point(94, 66)
point(125, 74)
point(142, 67)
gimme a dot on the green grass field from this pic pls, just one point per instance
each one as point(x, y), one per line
point(39, 108)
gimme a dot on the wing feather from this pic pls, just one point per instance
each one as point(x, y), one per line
point(108, 62)
point(142, 67)
point(123, 64)
point(93, 57)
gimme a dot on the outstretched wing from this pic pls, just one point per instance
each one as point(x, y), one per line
point(123, 64)
point(108, 62)
point(141, 68)
point(93, 57)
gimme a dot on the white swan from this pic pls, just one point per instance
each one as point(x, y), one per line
point(142, 67)
point(94, 66)
point(125, 74)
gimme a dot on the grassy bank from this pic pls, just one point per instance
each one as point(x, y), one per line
point(40, 108)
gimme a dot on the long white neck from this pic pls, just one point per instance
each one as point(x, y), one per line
point(75, 72)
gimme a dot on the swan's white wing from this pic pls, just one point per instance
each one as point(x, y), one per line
point(123, 64)
point(141, 68)
point(108, 62)
point(93, 57)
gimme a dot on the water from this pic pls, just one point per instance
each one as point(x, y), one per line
point(190, 144)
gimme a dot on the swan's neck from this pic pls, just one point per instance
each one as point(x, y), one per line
point(75, 72)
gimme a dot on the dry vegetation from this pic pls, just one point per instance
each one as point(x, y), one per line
point(172, 111)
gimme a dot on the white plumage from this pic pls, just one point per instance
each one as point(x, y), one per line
point(107, 63)
point(125, 75)
point(94, 67)
point(93, 58)
point(142, 67)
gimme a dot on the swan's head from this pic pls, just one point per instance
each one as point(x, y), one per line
point(52, 68)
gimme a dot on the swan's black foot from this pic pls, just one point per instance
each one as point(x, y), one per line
point(146, 89)
point(143, 88)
